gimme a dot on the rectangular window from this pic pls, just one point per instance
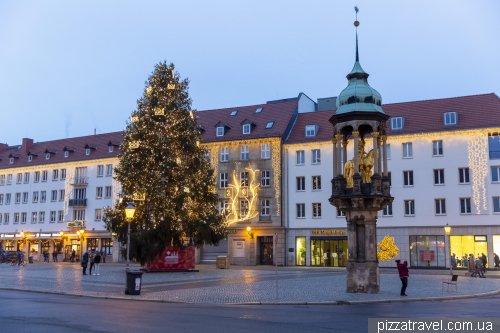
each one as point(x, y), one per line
point(301, 211)
point(340, 213)
point(7, 199)
point(24, 217)
point(439, 177)
point(494, 146)
point(409, 207)
point(107, 246)
point(35, 197)
point(52, 216)
point(465, 207)
point(37, 176)
point(43, 196)
point(19, 178)
point(407, 150)
point(110, 149)
point(437, 148)
point(66, 154)
point(265, 152)
point(316, 207)
point(63, 174)
point(408, 178)
point(396, 123)
point(9, 179)
point(245, 152)
point(316, 156)
point(99, 192)
point(463, 176)
point(387, 211)
point(223, 179)
point(220, 131)
point(25, 197)
point(47, 156)
point(310, 130)
point(16, 217)
point(388, 150)
point(100, 170)
point(87, 151)
point(18, 198)
point(450, 118)
point(440, 206)
point(265, 178)
point(6, 218)
point(61, 195)
point(224, 154)
point(42, 217)
point(224, 206)
point(45, 176)
point(34, 217)
point(109, 170)
point(243, 208)
point(300, 157)
point(207, 154)
point(495, 174)
point(301, 183)
point(1, 199)
point(1, 218)
point(246, 129)
point(265, 207)
point(55, 174)
point(244, 178)
point(60, 216)
point(108, 192)
point(98, 214)
point(2, 180)
point(26, 177)
point(496, 205)
point(316, 183)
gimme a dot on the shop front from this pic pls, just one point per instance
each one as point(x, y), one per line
point(427, 251)
point(323, 248)
point(463, 247)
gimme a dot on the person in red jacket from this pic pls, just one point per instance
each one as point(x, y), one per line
point(403, 275)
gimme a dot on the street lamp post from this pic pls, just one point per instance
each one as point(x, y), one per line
point(129, 213)
point(447, 230)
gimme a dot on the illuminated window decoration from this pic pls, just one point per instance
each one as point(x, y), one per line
point(159, 112)
point(241, 194)
point(386, 249)
point(139, 196)
point(478, 164)
point(134, 145)
point(171, 86)
point(229, 192)
point(134, 119)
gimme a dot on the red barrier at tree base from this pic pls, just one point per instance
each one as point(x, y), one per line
point(173, 259)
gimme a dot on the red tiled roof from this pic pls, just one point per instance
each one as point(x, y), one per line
point(102, 151)
point(279, 112)
point(476, 111)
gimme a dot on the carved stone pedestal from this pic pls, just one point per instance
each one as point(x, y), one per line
point(363, 277)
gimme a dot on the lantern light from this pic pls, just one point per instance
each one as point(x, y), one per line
point(130, 211)
point(447, 229)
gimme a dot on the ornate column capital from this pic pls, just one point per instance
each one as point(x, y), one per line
point(379, 141)
point(339, 136)
point(344, 143)
point(374, 134)
point(334, 141)
point(384, 137)
point(355, 134)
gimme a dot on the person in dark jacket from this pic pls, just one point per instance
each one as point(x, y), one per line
point(54, 256)
point(403, 275)
point(19, 255)
point(97, 261)
point(85, 261)
point(73, 254)
point(485, 261)
point(497, 260)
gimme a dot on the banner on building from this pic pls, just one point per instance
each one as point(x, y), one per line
point(174, 259)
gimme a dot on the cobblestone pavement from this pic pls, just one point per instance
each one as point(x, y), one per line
point(244, 285)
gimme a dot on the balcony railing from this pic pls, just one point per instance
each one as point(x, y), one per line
point(78, 202)
point(79, 181)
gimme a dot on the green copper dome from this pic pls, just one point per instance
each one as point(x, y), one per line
point(358, 95)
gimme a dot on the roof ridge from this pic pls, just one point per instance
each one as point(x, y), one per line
point(76, 137)
point(437, 99)
point(236, 107)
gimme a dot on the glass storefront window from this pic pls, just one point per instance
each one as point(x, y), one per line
point(9, 245)
point(464, 246)
point(33, 249)
point(427, 251)
point(496, 249)
point(92, 243)
point(45, 246)
point(58, 246)
point(329, 252)
point(300, 248)
point(107, 246)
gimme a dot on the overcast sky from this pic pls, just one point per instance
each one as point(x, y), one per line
point(67, 67)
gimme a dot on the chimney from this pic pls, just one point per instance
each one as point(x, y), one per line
point(27, 145)
point(95, 131)
point(3, 146)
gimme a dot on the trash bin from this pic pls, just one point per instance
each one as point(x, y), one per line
point(30, 260)
point(133, 283)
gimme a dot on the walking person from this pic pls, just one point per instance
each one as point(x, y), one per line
point(403, 275)
point(54, 256)
point(478, 268)
point(472, 264)
point(485, 262)
point(497, 260)
point(91, 258)
point(19, 257)
point(73, 254)
point(466, 262)
point(453, 261)
point(103, 256)
point(85, 260)
point(97, 261)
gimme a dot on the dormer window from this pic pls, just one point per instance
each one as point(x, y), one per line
point(110, 149)
point(397, 123)
point(87, 151)
point(30, 158)
point(246, 129)
point(450, 118)
point(66, 153)
point(12, 160)
point(259, 110)
point(310, 131)
point(220, 131)
point(234, 113)
point(270, 124)
point(47, 156)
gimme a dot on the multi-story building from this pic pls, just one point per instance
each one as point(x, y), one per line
point(444, 162)
point(51, 190)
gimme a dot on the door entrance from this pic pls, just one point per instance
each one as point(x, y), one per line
point(68, 249)
point(266, 250)
point(329, 252)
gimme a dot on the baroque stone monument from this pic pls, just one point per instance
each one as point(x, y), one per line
point(355, 190)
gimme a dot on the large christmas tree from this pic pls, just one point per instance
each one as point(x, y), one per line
point(163, 170)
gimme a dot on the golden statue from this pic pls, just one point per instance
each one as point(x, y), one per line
point(386, 249)
point(365, 165)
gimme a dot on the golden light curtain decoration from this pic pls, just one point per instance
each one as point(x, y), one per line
point(386, 249)
point(247, 193)
point(276, 164)
point(478, 164)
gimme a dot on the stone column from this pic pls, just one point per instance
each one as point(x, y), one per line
point(375, 152)
point(339, 139)
point(356, 155)
point(344, 155)
point(384, 140)
point(379, 159)
point(334, 157)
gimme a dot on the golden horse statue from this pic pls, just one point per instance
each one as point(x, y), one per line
point(365, 167)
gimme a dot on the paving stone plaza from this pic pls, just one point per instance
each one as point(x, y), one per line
point(235, 285)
